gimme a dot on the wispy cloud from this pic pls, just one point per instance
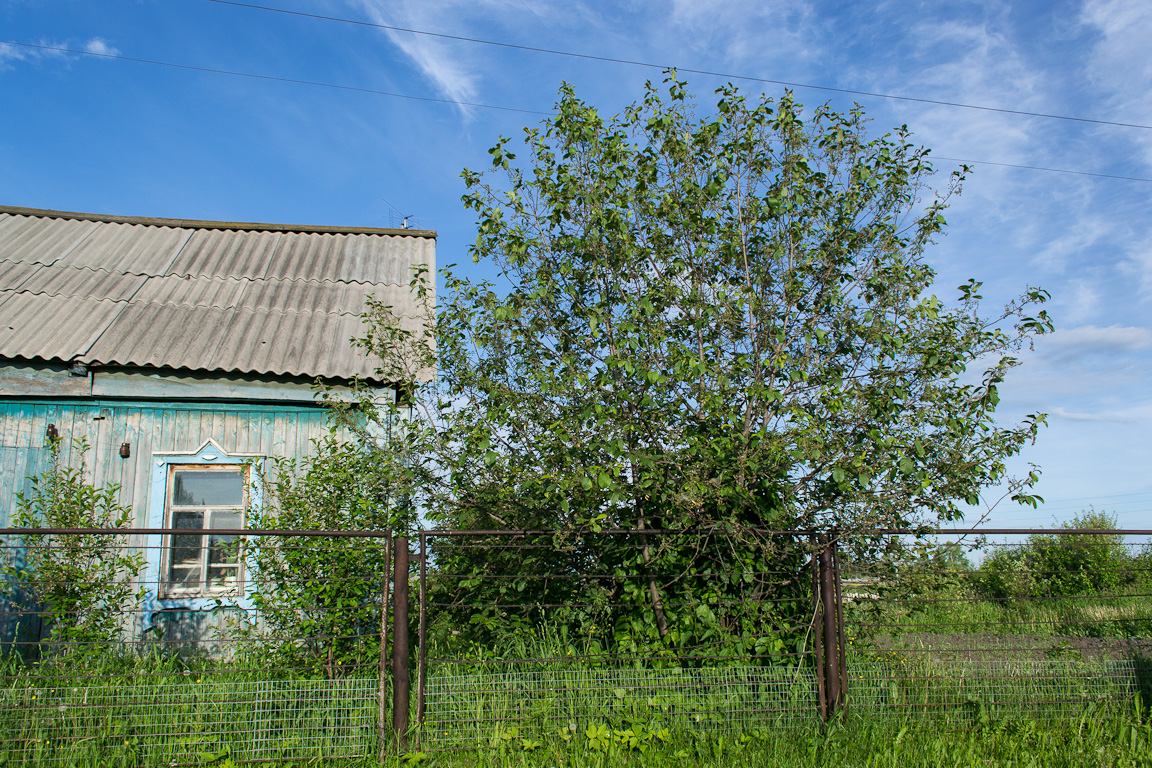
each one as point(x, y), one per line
point(1090, 338)
point(9, 54)
point(1061, 413)
point(452, 69)
point(1082, 302)
point(1137, 265)
point(739, 32)
point(1120, 64)
point(100, 46)
point(1084, 232)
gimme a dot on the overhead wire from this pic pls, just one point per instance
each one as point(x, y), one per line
point(1043, 168)
point(273, 78)
point(652, 65)
point(451, 102)
point(1108, 496)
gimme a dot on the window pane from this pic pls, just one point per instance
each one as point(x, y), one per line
point(222, 576)
point(224, 551)
point(184, 557)
point(184, 579)
point(203, 488)
point(226, 518)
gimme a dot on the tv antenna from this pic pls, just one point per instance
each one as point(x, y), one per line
point(399, 220)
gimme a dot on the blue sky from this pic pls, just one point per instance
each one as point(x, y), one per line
point(88, 133)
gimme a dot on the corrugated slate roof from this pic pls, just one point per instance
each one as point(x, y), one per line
point(207, 296)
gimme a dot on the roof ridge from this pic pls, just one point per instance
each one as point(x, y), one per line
point(205, 224)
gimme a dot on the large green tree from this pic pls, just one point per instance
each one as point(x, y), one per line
point(721, 322)
point(717, 318)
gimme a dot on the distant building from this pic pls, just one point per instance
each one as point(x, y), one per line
point(181, 350)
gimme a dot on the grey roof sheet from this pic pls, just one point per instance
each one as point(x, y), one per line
point(60, 280)
point(41, 239)
point(221, 296)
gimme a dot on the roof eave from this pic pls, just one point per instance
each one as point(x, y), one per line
point(200, 224)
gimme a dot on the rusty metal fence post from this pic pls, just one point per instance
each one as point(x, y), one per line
point(828, 628)
point(383, 692)
point(422, 651)
point(842, 645)
point(400, 682)
point(817, 628)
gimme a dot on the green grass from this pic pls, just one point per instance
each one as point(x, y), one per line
point(1101, 736)
point(574, 706)
point(158, 711)
point(957, 613)
point(902, 711)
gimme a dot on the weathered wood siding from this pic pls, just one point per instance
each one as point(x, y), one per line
point(150, 427)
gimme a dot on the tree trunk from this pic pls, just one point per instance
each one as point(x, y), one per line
point(653, 590)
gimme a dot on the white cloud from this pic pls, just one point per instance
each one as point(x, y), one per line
point(1084, 301)
point(445, 69)
point(13, 53)
point(453, 69)
point(100, 46)
point(1061, 413)
point(1121, 63)
point(8, 51)
point(736, 32)
point(974, 63)
point(1138, 266)
point(1090, 338)
point(1081, 234)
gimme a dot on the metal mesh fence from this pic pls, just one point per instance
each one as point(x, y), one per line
point(168, 722)
point(196, 646)
point(966, 628)
point(892, 625)
point(466, 710)
point(546, 634)
point(966, 693)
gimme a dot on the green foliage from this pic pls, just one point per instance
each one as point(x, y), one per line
point(712, 319)
point(1061, 564)
point(721, 323)
point(593, 595)
point(84, 584)
point(318, 599)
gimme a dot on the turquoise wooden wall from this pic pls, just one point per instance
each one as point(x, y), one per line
point(150, 427)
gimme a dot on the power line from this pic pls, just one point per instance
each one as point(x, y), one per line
point(273, 78)
point(650, 65)
point(1041, 168)
point(1115, 506)
point(1102, 496)
point(453, 102)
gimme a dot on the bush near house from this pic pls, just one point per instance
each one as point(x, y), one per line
point(81, 586)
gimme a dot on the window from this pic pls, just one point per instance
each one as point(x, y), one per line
point(200, 499)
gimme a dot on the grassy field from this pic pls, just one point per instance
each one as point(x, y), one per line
point(1100, 738)
point(954, 612)
point(951, 681)
point(899, 713)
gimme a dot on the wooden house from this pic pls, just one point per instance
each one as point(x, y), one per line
point(179, 350)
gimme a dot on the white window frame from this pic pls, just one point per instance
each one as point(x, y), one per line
point(202, 589)
point(208, 454)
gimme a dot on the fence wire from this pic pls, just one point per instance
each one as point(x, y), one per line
point(542, 635)
point(283, 658)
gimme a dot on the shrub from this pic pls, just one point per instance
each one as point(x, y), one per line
point(320, 597)
point(84, 585)
point(1060, 564)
